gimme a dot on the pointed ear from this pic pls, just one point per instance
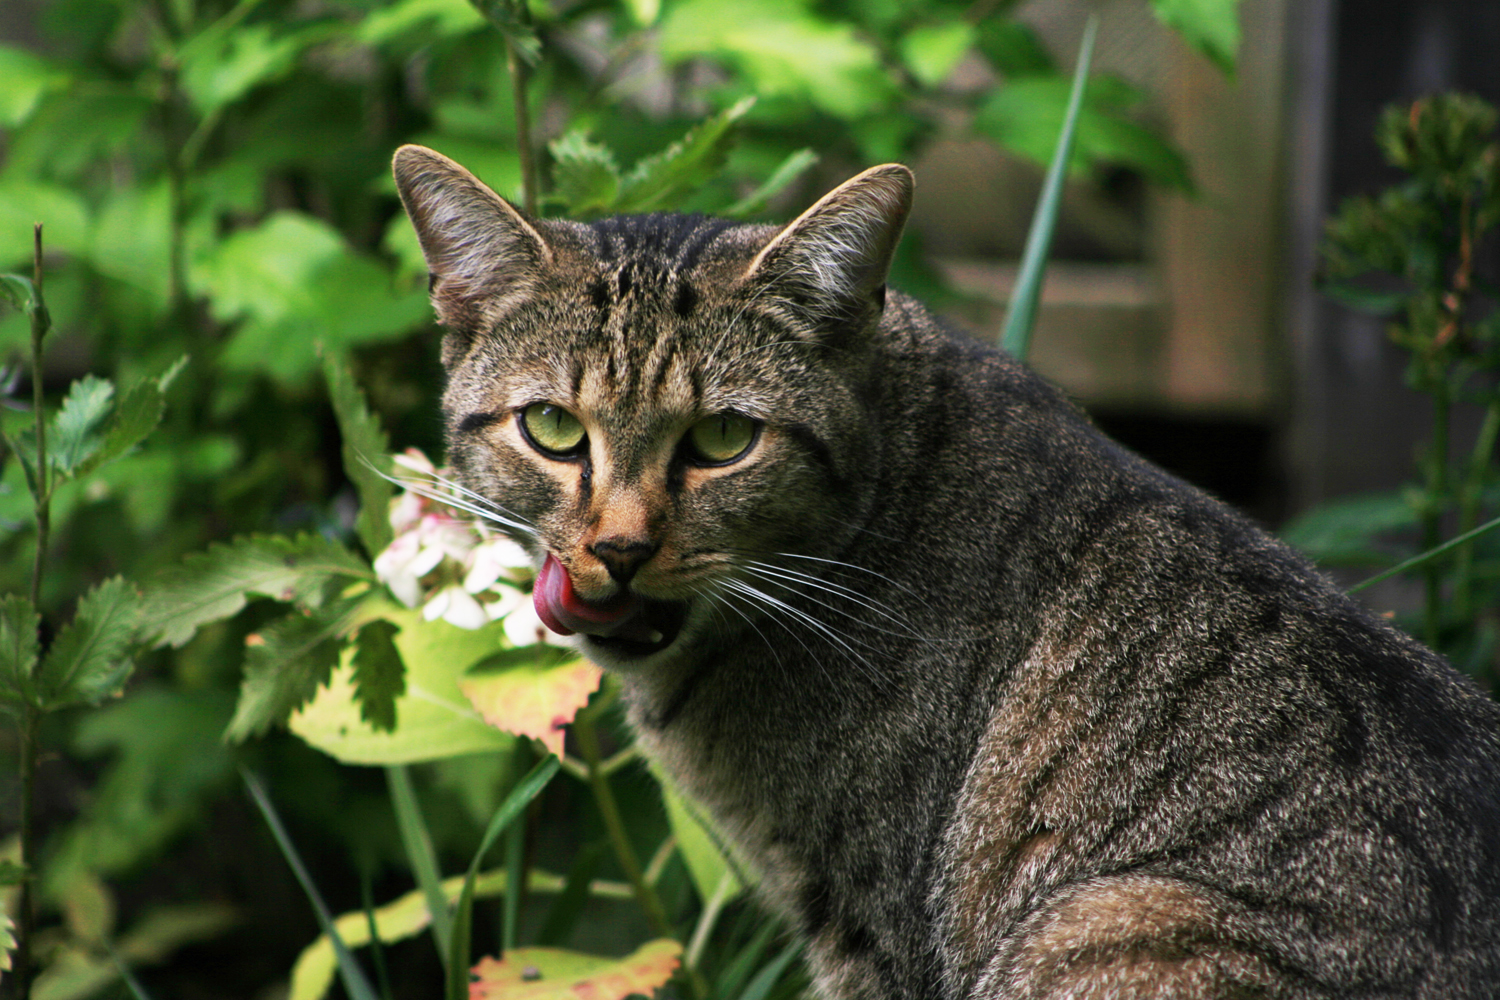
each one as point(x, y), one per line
point(831, 262)
point(482, 253)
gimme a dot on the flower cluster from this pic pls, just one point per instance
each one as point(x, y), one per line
point(453, 567)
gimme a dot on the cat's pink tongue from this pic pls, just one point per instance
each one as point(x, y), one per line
point(565, 613)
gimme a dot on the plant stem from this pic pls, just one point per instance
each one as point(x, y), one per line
point(39, 325)
point(645, 895)
point(518, 78)
point(30, 739)
point(1432, 516)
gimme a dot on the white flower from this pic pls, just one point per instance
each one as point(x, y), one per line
point(523, 627)
point(457, 607)
point(492, 559)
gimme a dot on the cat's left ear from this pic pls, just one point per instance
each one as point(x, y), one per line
point(832, 260)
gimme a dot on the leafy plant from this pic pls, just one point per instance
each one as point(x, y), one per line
point(1415, 252)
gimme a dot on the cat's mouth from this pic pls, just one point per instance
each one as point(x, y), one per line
point(626, 623)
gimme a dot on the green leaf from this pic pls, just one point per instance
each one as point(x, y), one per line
point(131, 241)
point(18, 649)
point(554, 974)
point(784, 49)
point(89, 659)
point(1014, 49)
point(1375, 301)
point(379, 674)
point(931, 52)
point(221, 66)
point(788, 171)
point(585, 178)
point(1210, 26)
point(704, 849)
point(683, 166)
point(1345, 530)
point(212, 585)
point(436, 720)
point(287, 661)
point(72, 438)
point(135, 417)
point(365, 448)
point(402, 20)
point(19, 292)
point(24, 203)
point(1027, 115)
point(24, 80)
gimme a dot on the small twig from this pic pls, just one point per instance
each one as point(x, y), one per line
point(519, 75)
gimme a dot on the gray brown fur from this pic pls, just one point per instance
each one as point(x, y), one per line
point(1084, 732)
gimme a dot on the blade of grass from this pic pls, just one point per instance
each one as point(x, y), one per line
point(463, 916)
point(421, 856)
point(1020, 314)
point(377, 949)
point(734, 975)
point(1430, 554)
point(353, 977)
point(767, 977)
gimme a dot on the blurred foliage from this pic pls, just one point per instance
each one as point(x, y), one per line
point(1423, 253)
point(213, 178)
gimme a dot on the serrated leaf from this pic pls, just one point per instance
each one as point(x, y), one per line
point(585, 177)
point(287, 661)
point(379, 674)
point(788, 171)
point(88, 661)
point(72, 438)
point(683, 166)
point(1210, 26)
point(530, 693)
point(437, 721)
point(365, 450)
point(554, 974)
point(18, 649)
point(212, 585)
point(931, 52)
point(135, 417)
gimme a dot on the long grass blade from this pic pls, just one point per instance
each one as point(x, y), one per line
point(1020, 314)
point(463, 915)
point(355, 983)
point(768, 976)
point(1430, 554)
point(420, 855)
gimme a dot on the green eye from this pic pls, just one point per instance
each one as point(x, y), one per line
point(721, 438)
point(552, 430)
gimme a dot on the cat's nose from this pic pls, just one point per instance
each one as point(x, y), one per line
point(623, 556)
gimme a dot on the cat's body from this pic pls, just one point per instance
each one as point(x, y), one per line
point(995, 708)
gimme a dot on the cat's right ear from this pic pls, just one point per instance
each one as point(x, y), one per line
point(481, 252)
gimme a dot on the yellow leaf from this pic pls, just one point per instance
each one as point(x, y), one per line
point(554, 974)
point(533, 700)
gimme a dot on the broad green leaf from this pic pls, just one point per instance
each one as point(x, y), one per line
point(131, 241)
point(784, 48)
point(1014, 49)
point(212, 585)
point(931, 52)
point(1026, 116)
point(220, 67)
point(287, 661)
point(1346, 530)
point(585, 178)
point(365, 450)
point(19, 292)
point(407, 917)
point(18, 649)
point(520, 37)
point(166, 758)
point(554, 974)
point(703, 848)
point(683, 166)
point(1210, 26)
point(436, 720)
point(89, 660)
point(401, 20)
point(23, 204)
point(788, 171)
point(528, 692)
point(73, 436)
point(24, 80)
point(379, 674)
point(645, 12)
point(135, 417)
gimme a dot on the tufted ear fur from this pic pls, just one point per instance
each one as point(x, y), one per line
point(482, 253)
point(831, 261)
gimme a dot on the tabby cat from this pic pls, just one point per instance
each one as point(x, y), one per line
point(994, 707)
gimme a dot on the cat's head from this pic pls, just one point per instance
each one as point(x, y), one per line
point(665, 409)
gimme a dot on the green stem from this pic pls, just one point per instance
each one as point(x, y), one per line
point(40, 322)
point(645, 895)
point(1470, 495)
point(30, 740)
point(519, 75)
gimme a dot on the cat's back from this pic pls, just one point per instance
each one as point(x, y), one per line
point(1206, 765)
